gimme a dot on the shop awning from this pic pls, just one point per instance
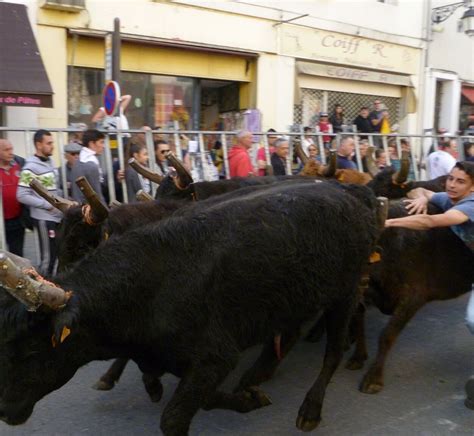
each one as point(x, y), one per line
point(23, 79)
point(468, 93)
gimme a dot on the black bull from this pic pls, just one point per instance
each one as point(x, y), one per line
point(188, 294)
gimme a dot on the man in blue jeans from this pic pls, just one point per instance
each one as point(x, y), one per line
point(458, 206)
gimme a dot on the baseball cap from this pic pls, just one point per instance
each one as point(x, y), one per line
point(73, 147)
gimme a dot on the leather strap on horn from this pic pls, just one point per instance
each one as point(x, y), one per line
point(99, 212)
point(145, 172)
point(31, 293)
point(143, 196)
point(369, 157)
point(54, 200)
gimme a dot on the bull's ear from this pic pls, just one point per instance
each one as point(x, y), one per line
point(65, 325)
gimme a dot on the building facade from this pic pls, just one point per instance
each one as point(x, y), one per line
point(449, 76)
point(207, 65)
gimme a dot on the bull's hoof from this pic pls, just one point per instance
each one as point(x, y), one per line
point(103, 385)
point(370, 386)
point(309, 415)
point(354, 364)
point(257, 397)
point(306, 425)
point(155, 397)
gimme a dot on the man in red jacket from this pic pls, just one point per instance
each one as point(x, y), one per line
point(240, 164)
point(9, 176)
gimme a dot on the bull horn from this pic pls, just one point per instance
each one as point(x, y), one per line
point(99, 211)
point(185, 179)
point(58, 202)
point(145, 172)
point(114, 204)
point(330, 169)
point(402, 174)
point(301, 154)
point(371, 167)
point(141, 195)
point(382, 211)
point(31, 293)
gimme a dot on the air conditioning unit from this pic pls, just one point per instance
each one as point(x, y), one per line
point(65, 5)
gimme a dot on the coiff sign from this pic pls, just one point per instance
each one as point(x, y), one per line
point(339, 48)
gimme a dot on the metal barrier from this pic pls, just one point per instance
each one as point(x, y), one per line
point(420, 146)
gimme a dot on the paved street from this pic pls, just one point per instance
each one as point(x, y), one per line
point(423, 395)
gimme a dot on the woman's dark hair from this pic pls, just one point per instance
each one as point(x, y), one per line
point(136, 148)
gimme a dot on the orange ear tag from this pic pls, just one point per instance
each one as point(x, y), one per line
point(374, 257)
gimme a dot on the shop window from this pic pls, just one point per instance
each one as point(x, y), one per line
point(156, 100)
point(314, 101)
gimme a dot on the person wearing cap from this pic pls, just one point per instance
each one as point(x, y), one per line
point(325, 127)
point(71, 155)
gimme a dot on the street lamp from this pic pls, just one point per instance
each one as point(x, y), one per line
point(442, 13)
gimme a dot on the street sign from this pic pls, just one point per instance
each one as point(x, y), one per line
point(108, 57)
point(111, 97)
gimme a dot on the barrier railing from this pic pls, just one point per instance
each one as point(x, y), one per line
point(419, 145)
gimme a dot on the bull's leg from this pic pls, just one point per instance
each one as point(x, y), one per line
point(358, 327)
point(372, 382)
point(337, 323)
point(267, 363)
point(198, 385)
point(243, 402)
point(153, 386)
point(317, 331)
point(112, 376)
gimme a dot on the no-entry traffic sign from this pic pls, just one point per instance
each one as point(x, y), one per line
point(111, 97)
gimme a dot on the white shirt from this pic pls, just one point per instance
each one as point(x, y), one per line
point(440, 163)
point(306, 143)
point(88, 155)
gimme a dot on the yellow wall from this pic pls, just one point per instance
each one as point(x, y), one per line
point(153, 59)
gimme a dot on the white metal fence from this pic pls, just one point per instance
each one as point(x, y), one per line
point(197, 146)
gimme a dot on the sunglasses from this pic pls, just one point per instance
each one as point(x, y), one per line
point(164, 151)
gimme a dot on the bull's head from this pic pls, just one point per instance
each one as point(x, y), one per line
point(30, 316)
point(97, 213)
point(314, 168)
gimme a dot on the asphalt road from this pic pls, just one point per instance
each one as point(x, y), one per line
point(423, 395)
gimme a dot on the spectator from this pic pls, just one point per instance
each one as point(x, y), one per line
point(45, 217)
point(307, 139)
point(240, 164)
point(88, 165)
point(325, 127)
point(71, 156)
point(363, 148)
point(441, 162)
point(313, 153)
point(12, 209)
point(380, 158)
point(261, 158)
point(379, 122)
point(280, 156)
point(136, 182)
point(162, 148)
point(344, 154)
point(337, 118)
point(362, 122)
point(114, 123)
point(469, 151)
